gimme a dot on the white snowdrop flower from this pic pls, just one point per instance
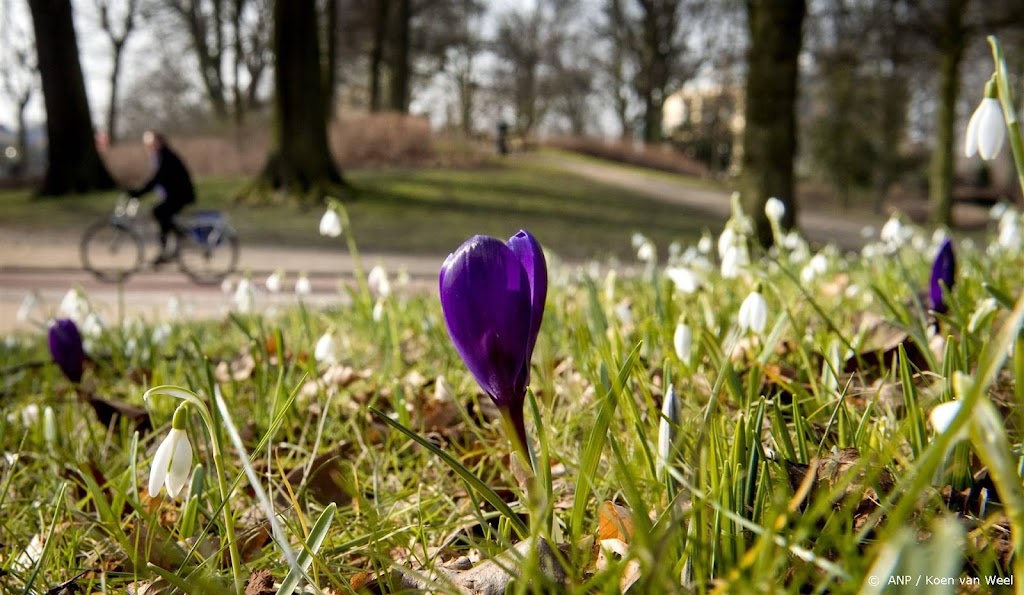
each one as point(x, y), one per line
point(869, 251)
point(753, 313)
point(674, 250)
point(852, 291)
point(671, 415)
point(705, 243)
point(942, 416)
point(377, 280)
point(646, 253)
point(378, 310)
point(245, 296)
point(624, 312)
point(29, 415)
point(131, 346)
point(74, 305)
point(274, 282)
point(998, 210)
point(171, 464)
point(1009, 234)
point(173, 307)
point(727, 241)
point(637, 239)
point(867, 232)
point(161, 333)
point(938, 237)
point(27, 307)
point(325, 351)
point(986, 130)
point(682, 341)
point(92, 326)
point(892, 231)
point(684, 279)
point(330, 224)
point(302, 285)
point(815, 267)
point(919, 243)
point(774, 209)
point(734, 261)
point(227, 286)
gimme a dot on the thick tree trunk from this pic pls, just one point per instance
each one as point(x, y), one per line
point(769, 137)
point(652, 118)
point(331, 61)
point(301, 159)
point(73, 164)
point(952, 40)
point(399, 54)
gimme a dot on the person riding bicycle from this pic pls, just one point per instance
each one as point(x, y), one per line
point(173, 185)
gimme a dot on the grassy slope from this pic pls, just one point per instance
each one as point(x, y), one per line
point(426, 211)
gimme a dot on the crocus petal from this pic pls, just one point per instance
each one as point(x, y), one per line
point(161, 463)
point(486, 300)
point(943, 271)
point(991, 128)
point(66, 349)
point(530, 254)
point(181, 464)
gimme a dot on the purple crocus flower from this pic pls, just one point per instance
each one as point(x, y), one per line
point(66, 348)
point(943, 271)
point(492, 295)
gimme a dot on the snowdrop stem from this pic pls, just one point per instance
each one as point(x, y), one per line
point(353, 250)
point(178, 422)
point(1009, 110)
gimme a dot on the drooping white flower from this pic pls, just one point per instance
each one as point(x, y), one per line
point(245, 296)
point(774, 209)
point(684, 279)
point(28, 306)
point(171, 464)
point(302, 285)
point(378, 310)
point(1009, 231)
point(727, 241)
point(705, 243)
point(986, 130)
point(998, 210)
point(624, 312)
point(942, 416)
point(377, 280)
point(274, 282)
point(74, 305)
point(985, 309)
point(29, 415)
point(892, 231)
point(682, 340)
point(733, 261)
point(753, 313)
point(226, 286)
point(161, 333)
point(646, 252)
point(815, 267)
point(637, 240)
point(173, 307)
point(671, 414)
point(330, 224)
point(325, 351)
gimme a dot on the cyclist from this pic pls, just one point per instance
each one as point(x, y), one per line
point(173, 186)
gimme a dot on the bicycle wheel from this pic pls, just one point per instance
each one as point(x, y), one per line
point(111, 251)
point(208, 253)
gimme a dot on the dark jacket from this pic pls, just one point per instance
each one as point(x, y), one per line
point(171, 179)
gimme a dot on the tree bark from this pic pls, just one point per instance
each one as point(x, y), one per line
point(380, 26)
point(115, 75)
point(399, 57)
point(769, 136)
point(331, 60)
point(952, 41)
point(73, 164)
point(301, 160)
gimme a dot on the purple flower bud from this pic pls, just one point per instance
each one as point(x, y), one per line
point(492, 296)
point(943, 272)
point(66, 348)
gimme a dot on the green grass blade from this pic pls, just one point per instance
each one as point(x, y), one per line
point(316, 539)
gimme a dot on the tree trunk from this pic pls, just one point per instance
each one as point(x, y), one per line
point(652, 118)
point(115, 75)
point(769, 137)
point(21, 166)
point(301, 159)
point(73, 164)
point(952, 41)
point(380, 26)
point(239, 57)
point(331, 61)
point(399, 54)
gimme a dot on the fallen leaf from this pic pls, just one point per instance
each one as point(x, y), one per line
point(614, 522)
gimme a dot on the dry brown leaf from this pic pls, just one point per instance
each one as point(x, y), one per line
point(614, 522)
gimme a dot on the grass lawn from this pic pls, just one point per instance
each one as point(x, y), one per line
point(424, 211)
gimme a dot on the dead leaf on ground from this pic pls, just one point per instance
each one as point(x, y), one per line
point(240, 368)
point(614, 522)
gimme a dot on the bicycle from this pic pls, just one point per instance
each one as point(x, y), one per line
point(206, 246)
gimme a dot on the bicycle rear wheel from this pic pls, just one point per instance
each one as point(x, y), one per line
point(111, 251)
point(207, 254)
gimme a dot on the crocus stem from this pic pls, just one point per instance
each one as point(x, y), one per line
point(516, 428)
point(1009, 111)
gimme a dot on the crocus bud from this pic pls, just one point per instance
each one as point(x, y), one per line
point(66, 349)
point(943, 271)
point(492, 296)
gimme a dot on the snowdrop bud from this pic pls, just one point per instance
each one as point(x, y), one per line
point(92, 326)
point(637, 240)
point(682, 340)
point(325, 351)
point(173, 460)
point(624, 312)
point(674, 250)
point(774, 209)
point(671, 414)
point(378, 311)
point(302, 285)
point(986, 129)
point(734, 260)
point(74, 305)
point(245, 297)
point(29, 415)
point(942, 416)
point(274, 282)
point(818, 265)
point(226, 286)
point(330, 224)
point(161, 333)
point(892, 231)
point(727, 241)
point(49, 426)
point(683, 278)
point(705, 243)
point(646, 252)
point(609, 286)
point(377, 280)
point(997, 211)
point(753, 313)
